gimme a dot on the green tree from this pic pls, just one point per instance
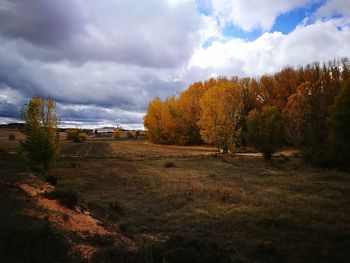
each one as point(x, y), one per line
point(40, 146)
point(340, 126)
point(265, 130)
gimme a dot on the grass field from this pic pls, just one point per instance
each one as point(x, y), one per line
point(187, 204)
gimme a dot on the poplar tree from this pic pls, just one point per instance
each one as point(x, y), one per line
point(40, 146)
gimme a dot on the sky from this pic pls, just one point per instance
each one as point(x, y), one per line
point(103, 61)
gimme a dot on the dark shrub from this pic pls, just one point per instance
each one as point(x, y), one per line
point(116, 254)
point(96, 209)
point(265, 130)
point(340, 126)
point(51, 179)
point(33, 243)
point(116, 207)
point(130, 135)
point(169, 164)
point(192, 250)
point(100, 240)
point(154, 252)
point(67, 197)
point(12, 137)
point(323, 157)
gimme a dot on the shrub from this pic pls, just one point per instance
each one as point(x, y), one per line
point(265, 130)
point(117, 133)
point(130, 135)
point(100, 240)
point(31, 242)
point(97, 209)
point(67, 198)
point(51, 179)
point(340, 126)
point(76, 135)
point(169, 164)
point(12, 137)
point(116, 254)
point(116, 207)
point(188, 249)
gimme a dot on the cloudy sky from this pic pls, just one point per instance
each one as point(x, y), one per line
point(102, 61)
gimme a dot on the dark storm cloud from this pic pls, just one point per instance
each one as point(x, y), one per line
point(149, 33)
point(40, 22)
point(112, 56)
point(9, 110)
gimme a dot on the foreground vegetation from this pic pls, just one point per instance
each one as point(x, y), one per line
point(180, 204)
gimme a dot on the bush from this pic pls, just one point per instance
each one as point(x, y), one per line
point(265, 130)
point(117, 133)
point(51, 179)
point(76, 135)
point(169, 164)
point(116, 254)
point(67, 198)
point(188, 249)
point(130, 135)
point(33, 243)
point(100, 240)
point(12, 137)
point(340, 126)
point(116, 207)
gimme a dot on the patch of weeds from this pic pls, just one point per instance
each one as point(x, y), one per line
point(12, 137)
point(74, 165)
point(153, 252)
point(96, 209)
point(67, 197)
point(188, 249)
point(100, 240)
point(116, 207)
point(211, 175)
point(65, 217)
point(169, 164)
point(116, 254)
point(267, 252)
point(51, 179)
point(123, 227)
point(33, 243)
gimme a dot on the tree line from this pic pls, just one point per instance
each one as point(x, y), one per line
point(295, 106)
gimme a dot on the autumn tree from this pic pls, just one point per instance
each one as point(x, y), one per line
point(75, 135)
point(40, 146)
point(265, 130)
point(153, 120)
point(188, 114)
point(221, 107)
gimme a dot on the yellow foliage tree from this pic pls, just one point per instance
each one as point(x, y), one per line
point(221, 107)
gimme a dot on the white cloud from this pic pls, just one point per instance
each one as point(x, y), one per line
point(334, 7)
point(321, 41)
point(253, 14)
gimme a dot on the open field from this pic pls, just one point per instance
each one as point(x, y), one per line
point(187, 204)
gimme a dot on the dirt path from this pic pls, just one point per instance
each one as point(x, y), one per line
point(73, 221)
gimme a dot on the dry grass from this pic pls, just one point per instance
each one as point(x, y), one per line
point(279, 211)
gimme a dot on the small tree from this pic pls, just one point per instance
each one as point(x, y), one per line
point(41, 129)
point(117, 133)
point(76, 135)
point(340, 126)
point(265, 130)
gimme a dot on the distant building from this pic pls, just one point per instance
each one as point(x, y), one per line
point(104, 130)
